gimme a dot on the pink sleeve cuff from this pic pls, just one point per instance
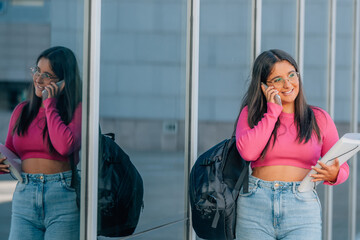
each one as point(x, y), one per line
point(50, 102)
point(274, 109)
point(342, 176)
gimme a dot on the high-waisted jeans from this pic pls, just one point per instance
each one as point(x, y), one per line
point(44, 207)
point(277, 210)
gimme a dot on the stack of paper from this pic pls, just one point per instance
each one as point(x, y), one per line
point(347, 146)
point(13, 160)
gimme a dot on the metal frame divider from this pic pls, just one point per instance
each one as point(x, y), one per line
point(256, 29)
point(191, 105)
point(354, 120)
point(300, 23)
point(90, 122)
point(328, 213)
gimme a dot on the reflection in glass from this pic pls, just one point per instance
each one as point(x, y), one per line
point(120, 190)
point(225, 59)
point(142, 98)
point(45, 132)
point(27, 28)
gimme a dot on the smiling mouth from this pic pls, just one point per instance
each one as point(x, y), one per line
point(288, 92)
point(39, 87)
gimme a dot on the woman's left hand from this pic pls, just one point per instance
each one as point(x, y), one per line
point(326, 173)
point(54, 89)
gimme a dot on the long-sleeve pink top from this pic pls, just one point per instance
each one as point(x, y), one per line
point(66, 139)
point(287, 150)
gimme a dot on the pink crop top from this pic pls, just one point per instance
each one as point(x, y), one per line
point(287, 151)
point(66, 139)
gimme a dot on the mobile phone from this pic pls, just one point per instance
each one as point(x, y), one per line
point(276, 98)
point(45, 93)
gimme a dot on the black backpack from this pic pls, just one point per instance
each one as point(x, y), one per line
point(120, 190)
point(215, 181)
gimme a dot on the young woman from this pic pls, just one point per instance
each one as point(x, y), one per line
point(283, 141)
point(44, 132)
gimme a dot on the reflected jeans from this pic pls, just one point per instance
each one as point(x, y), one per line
point(277, 210)
point(44, 207)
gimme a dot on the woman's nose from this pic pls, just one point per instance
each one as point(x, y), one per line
point(286, 82)
point(38, 79)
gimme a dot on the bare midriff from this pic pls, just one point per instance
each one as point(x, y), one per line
point(45, 166)
point(280, 173)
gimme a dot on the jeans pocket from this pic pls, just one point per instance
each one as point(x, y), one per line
point(252, 190)
point(20, 187)
point(66, 184)
point(308, 196)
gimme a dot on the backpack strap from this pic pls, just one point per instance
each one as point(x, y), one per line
point(73, 170)
point(75, 180)
point(246, 180)
point(243, 179)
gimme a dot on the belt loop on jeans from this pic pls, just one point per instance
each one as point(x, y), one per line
point(257, 182)
point(294, 188)
point(25, 178)
point(62, 177)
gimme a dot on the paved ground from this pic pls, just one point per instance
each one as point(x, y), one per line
point(164, 192)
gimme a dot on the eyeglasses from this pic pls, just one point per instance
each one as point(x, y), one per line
point(44, 76)
point(279, 82)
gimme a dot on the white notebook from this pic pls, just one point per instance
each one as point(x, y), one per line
point(347, 146)
point(13, 160)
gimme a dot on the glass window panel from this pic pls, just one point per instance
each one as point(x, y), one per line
point(315, 83)
point(343, 104)
point(142, 97)
point(316, 52)
point(27, 28)
point(172, 231)
point(225, 52)
point(27, 2)
point(315, 74)
point(358, 155)
point(278, 25)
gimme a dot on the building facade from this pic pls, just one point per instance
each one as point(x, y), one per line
point(170, 88)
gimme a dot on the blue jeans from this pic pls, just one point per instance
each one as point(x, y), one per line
point(44, 207)
point(277, 210)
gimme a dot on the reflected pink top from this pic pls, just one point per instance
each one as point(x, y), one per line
point(66, 139)
point(286, 151)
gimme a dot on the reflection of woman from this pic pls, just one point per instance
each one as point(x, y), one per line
point(282, 142)
point(44, 133)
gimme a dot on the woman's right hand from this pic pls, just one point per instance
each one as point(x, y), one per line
point(3, 166)
point(269, 93)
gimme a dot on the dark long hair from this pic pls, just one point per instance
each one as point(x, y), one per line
point(63, 63)
point(257, 104)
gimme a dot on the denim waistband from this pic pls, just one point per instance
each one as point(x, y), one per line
point(274, 185)
point(40, 177)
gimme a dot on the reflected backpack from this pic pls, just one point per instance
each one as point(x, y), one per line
point(120, 190)
point(215, 182)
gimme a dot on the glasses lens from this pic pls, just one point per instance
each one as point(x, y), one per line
point(34, 72)
point(279, 84)
point(45, 76)
point(292, 76)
